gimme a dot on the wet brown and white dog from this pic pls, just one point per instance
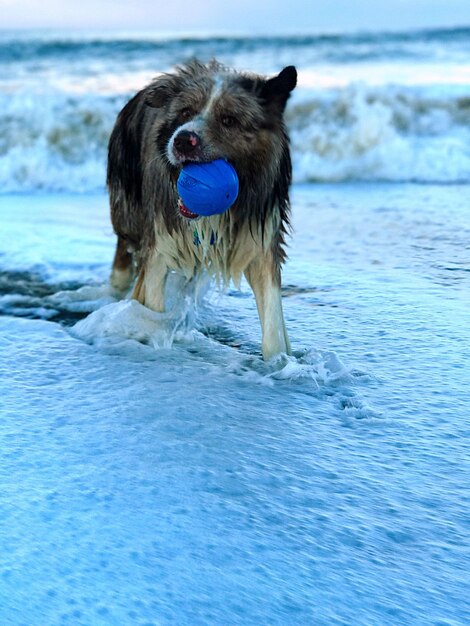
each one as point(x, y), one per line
point(199, 113)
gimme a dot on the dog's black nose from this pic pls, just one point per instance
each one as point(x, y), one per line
point(187, 142)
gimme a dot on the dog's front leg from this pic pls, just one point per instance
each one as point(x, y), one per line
point(150, 285)
point(264, 278)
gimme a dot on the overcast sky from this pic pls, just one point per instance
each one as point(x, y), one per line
point(236, 16)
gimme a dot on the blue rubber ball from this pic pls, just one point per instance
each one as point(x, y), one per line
point(208, 188)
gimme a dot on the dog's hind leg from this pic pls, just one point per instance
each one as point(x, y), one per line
point(150, 285)
point(265, 280)
point(122, 273)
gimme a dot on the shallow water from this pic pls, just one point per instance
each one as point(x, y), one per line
point(154, 470)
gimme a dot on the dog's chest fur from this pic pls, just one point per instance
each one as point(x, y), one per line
point(210, 245)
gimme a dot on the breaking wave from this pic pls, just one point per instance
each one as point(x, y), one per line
point(381, 133)
point(58, 141)
point(376, 106)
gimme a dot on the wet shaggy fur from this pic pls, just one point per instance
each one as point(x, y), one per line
point(226, 114)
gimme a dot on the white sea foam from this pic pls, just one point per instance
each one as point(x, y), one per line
point(128, 320)
point(83, 300)
point(367, 107)
point(390, 134)
point(130, 329)
point(52, 140)
point(57, 140)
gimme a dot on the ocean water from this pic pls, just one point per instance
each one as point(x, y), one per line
point(368, 107)
point(153, 469)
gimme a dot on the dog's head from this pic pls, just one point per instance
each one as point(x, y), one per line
point(210, 112)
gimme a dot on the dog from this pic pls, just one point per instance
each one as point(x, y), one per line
point(196, 114)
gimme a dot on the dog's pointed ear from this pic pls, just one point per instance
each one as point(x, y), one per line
point(161, 91)
point(277, 90)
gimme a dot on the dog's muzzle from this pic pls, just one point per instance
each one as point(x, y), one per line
point(187, 146)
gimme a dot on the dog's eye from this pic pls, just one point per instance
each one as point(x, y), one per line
point(186, 113)
point(229, 120)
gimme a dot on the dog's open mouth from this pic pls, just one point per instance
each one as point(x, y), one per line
point(185, 212)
